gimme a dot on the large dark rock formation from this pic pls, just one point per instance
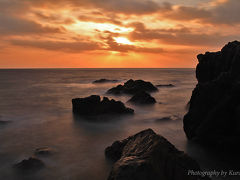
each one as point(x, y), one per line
point(30, 164)
point(148, 156)
point(214, 108)
point(93, 105)
point(105, 81)
point(142, 97)
point(132, 87)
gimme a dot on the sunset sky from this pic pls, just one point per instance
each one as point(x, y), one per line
point(113, 33)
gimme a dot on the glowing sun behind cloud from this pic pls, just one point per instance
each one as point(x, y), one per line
point(136, 33)
point(122, 40)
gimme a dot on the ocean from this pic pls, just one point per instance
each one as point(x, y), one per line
point(36, 103)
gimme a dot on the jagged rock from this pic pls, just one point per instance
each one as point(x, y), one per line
point(132, 87)
point(142, 97)
point(214, 108)
point(45, 151)
point(93, 105)
point(105, 81)
point(30, 164)
point(148, 156)
point(165, 85)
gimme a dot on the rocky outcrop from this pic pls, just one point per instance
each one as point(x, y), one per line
point(148, 156)
point(105, 81)
point(165, 85)
point(214, 107)
point(30, 164)
point(93, 105)
point(132, 87)
point(142, 97)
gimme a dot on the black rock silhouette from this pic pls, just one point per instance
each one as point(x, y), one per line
point(32, 163)
point(142, 97)
point(93, 105)
point(214, 108)
point(105, 81)
point(132, 87)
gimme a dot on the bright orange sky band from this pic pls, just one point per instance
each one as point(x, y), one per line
point(113, 33)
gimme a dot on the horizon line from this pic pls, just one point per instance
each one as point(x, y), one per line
point(104, 68)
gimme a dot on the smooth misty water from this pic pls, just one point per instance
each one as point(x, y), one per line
point(38, 105)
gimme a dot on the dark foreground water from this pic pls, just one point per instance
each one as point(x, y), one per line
point(37, 104)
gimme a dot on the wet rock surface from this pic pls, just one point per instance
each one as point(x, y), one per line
point(132, 87)
point(32, 163)
point(93, 105)
point(99, 81)
point(148, 156)
point(142, 97)
point(214, 107)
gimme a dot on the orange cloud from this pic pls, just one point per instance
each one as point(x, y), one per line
point(110, 33)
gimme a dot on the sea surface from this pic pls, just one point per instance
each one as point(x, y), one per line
point(36, 104)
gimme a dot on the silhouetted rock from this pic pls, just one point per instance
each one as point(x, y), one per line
point(93, 105)
point(132, 87)
point(165, 85)
point(44, 151)
point(142, 97)
point(148, 156)
point(214, 108)
point(105, 81)
point(30, 164)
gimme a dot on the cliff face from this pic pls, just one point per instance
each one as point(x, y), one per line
point(214, 111)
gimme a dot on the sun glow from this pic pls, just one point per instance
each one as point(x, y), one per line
point(122, 40)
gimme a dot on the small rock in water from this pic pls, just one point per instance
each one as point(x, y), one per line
point(165, 85)
point(168, 118)
point(45, 151)
point(142, 97)
point(133, 87)
point(4, 122)
point(93, 105)
point(105, 81)
point(32, 163)
point(149, 156)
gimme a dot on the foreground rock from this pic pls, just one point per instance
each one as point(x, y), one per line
point(105, 81)
point(148, 156)
point(30, 164)
point(132, 87)
point(93, 105)
point(165, 85)
point(142, 98)
point(214, 108)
